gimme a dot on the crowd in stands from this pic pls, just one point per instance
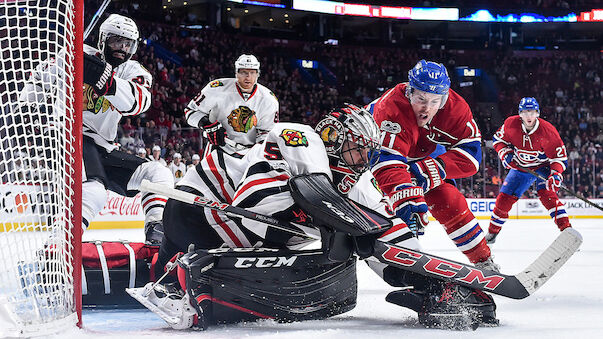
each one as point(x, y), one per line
point(567, 85)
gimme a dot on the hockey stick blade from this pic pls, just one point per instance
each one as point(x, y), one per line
point(517, 286)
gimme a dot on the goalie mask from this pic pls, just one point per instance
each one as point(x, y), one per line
point(350, 135)
point(118, 39)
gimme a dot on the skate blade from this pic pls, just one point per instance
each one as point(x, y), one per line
point(142, 296)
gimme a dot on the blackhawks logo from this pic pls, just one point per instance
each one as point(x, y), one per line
point(216, 83)
point(374, 182)
point(294, 138)
point(93, 103)
point(242, 119)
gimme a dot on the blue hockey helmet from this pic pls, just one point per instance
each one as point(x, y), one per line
point(528, 103)
point(430, 77)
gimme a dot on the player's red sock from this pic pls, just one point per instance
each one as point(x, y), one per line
point(450, 208)
point(500, 214)
point(555, 207)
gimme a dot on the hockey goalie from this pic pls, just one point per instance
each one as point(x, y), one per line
point(316, 181)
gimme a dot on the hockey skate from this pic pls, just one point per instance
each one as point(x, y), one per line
point(169, 302)
point(488, 264)
point(448, 306)
point(153, 233)
point(491, 238)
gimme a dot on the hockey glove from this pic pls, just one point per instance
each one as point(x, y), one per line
point(428, 173)
point(506, 157)
point(553, 183)
point(409, 205)
point(99, 75)
point(214, 132)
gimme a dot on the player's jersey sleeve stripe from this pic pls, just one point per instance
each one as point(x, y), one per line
point(219, 178)
point(255, 183)
point(256, 197)
point(231, 235)
point(208, 183)
point(472, 151)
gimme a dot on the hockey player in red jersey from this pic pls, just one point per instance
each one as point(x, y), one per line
point(527, 141)
point(415, 118)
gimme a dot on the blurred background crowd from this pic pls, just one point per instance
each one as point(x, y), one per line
point(184, 52)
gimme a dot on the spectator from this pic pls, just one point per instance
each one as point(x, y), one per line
point(194, 161)
point(177, 167)
point(157, 155)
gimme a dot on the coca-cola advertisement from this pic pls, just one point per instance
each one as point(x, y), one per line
point(120, 212)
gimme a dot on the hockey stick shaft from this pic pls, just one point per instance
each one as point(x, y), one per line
point(563, 188)
point(517, 286)
point(95, 18)
point(512, 286)
point(228, 209)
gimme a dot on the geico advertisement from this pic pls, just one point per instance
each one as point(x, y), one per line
point(24, 203)
point(534, 208)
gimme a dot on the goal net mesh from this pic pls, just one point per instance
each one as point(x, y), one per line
point(38, 165)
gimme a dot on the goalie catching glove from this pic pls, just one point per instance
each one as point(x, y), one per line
point(429, 173)
point(409, 205)
point(98, 74)
point(214, 131)
point(553, 183)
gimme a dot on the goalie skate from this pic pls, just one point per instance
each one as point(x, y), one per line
point(168, 302)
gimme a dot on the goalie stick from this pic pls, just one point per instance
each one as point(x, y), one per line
point(517, 286)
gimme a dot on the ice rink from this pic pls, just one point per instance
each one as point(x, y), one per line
point(569, 305)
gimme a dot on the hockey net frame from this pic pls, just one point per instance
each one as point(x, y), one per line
point(41, 67)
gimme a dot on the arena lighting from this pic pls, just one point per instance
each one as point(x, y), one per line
point(342, 8)
point(267, 3)
point(484, 15)
point(593, 15)
point(307, 63)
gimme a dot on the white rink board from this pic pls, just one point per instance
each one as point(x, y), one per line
point(124, 212)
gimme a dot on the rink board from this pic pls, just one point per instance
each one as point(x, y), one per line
point(123, 212)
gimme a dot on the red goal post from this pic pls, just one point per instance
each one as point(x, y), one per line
point(40, 165)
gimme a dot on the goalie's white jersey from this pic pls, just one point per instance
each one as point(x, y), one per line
point(133, 96)
point(290, 149)
point(247, 117)
point(101, 114)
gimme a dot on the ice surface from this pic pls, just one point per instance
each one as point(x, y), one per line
point(570, 305)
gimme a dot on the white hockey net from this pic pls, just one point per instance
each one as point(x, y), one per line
point(39, 164)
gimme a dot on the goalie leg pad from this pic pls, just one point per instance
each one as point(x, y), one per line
point(255, 283)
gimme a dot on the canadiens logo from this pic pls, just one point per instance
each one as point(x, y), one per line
point(216, 83)
point(242, 119)
point(294, 138)
point(525, 156)
point(93, 103)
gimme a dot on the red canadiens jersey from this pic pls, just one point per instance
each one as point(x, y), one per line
point(540, 147)
point(403, 140)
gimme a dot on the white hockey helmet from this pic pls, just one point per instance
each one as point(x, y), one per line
point(118, 25)
point(248, 61)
